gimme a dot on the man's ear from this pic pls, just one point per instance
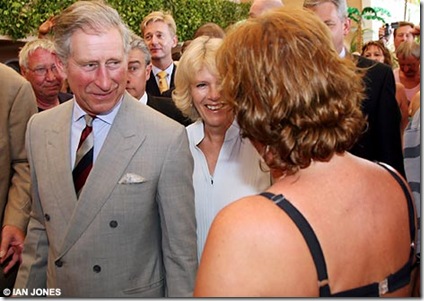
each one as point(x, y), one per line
point(175, 41)
point(23, 70)
point(60, 66)
point(346, 26)
point(148, 71)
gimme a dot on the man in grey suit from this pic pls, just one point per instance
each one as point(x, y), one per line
point(131, 231)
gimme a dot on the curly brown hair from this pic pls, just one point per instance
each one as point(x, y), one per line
point(290, 89)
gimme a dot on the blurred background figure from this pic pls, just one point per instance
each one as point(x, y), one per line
point(381, 141)
point(38, 66)
point(402, 31)
point(226, 167)
point(17, 105)
point(258, 7)
point(408, 73)
point(209, 29)
point(309, 234)
point(44, 30)
point(412, 155)
point(375, 50)
point(160, 34)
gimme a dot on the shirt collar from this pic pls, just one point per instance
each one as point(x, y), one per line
point(143, 99)
point(342, 53)
point(168, 70)
point(79, 113)
point(199, 132)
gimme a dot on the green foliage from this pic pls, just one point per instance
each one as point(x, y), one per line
point(367, 13)
point(21, 18)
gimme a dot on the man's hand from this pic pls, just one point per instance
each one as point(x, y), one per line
point(12, 243)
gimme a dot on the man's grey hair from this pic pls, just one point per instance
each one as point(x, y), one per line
point(340, 5)
point(138, 43)
point(31, 46)
point(408, 48)
point(91, 17)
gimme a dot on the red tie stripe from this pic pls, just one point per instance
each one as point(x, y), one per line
point(84, 158)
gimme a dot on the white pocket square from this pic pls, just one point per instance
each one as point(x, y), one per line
point(131, 178)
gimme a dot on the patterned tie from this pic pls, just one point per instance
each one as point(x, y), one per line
point(163, 83)
point(84, 158)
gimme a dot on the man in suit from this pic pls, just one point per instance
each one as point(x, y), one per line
point(17, 105)
point(381, 140)
point(160, 34)
point(37, 64)
point(130, 231)
point(139, 68)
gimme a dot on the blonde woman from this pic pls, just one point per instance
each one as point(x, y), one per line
point(226, 167)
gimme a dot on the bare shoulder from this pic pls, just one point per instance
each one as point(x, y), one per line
point(252, 213)
point(251, 245)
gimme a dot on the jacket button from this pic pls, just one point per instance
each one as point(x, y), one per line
point(113, 224)
point(47, 217)
point(97, 268)
point(59, 263)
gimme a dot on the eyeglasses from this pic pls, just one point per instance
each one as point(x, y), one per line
point(42, 71)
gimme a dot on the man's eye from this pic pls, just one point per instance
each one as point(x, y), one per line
point(113, 64)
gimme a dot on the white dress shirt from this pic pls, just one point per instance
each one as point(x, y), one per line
point(101, 127)
point(143, 99)
point(237, 174)
point(156, 70)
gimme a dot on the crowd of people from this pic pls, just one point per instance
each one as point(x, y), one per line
point(284, 168)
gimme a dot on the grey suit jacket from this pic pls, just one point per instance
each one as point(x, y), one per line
point(133, 236)
point(17, 104)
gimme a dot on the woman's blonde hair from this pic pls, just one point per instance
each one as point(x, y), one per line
point(201, 53)
point(290, 89)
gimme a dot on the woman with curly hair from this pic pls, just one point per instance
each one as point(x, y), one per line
point(332, 223)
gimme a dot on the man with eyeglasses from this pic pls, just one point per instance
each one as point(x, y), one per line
point(37, 63)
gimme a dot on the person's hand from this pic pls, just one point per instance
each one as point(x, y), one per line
point(416, 30)
point(46, 27)
point(12, 243)
point(382, 34)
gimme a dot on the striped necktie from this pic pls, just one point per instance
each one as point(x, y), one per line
point(84, 158)
point(163, 83)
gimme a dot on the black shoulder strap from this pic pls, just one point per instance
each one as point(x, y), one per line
point(310, 238)
point(409, 200)
point(403, 276)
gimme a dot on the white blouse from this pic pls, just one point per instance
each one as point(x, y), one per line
point(237, 174)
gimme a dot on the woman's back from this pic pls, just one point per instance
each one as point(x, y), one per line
point(358, 212)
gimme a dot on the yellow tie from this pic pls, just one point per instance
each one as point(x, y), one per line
point(163, 83)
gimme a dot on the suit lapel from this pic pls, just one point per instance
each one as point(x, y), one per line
point(58, 151)
point(120, 145)
point(152, 86)
point(172, 86)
